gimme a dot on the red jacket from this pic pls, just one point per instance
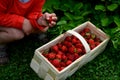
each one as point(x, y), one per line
point(13, 12)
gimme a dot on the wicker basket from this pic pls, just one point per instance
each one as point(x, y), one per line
point(45, 70)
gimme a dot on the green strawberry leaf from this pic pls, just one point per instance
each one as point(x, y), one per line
point(104, 21)
point(112, 7)
point(100, 7)
point(117, 20)
point(69, 16)
point(78, 6)
point(86, 13)
point(61, 22)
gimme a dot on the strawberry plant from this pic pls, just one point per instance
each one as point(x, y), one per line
point(104, 14)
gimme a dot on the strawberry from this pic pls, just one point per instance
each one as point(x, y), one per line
point(64, 48)
point(50, 19)
point(64, 42)
point(62, 68)
point(83, 52)
point(60, 52)
point(72, 49)
point(79, 45)
point(82, 34)
point(54, 48)
point(78, 50)
point(50, 60)
point(56, 62)
point(76, 56)
point(45, 55)
point(70, 56)
point(59, 45)
point(73, 37)
point(68, 38)
point(68, 62)
point(92, 46)
point(62, 64)
point(58, 68)
point(97, 39)
point(58, 56)
point(86, 30)
point(51, 55)
point(91, 42)
point(97, 43)
point(74, 41)
point(67, 43)
point(64, 58)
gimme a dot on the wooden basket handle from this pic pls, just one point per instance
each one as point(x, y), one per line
point(83, 41)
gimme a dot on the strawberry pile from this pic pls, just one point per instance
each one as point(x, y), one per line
point(91, 38)
point(64, 53)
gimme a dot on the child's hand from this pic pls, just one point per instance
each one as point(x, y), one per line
point(51, 19)
point(48, 20)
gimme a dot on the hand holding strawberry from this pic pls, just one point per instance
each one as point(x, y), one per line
point(47, 20)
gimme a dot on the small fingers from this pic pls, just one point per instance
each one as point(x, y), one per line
point(52, 24)
point(51, 19)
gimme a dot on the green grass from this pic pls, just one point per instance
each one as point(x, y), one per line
point(105, 66)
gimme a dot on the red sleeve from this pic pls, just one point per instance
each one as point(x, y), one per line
point(9, 20)
point(35, 13)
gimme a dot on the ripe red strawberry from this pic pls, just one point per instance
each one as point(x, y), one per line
point(74, 41)
point(70, 56)
point(51, 55)
point(59, 45)
point(78, 50)
point(83, 52)
point(68, 62)
point(69, 44)
point(91, 42)
point(58, 56)
point(65, 42)
point(97, 39)
point(68, 38)
point(72, 49)
point(92, 46)
point(50, 19)
point(45, 55)
point(56, 62)
point(97, 43)
point(50, 60)
point(73, 37)
point(64, 48)
point(64, 58)
point(62, 68)
point(86, 30)
point(76, 56)
point(79, 45)
point(60, 52)
point(62, 64)
point(82, 33)
point(55, 48)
